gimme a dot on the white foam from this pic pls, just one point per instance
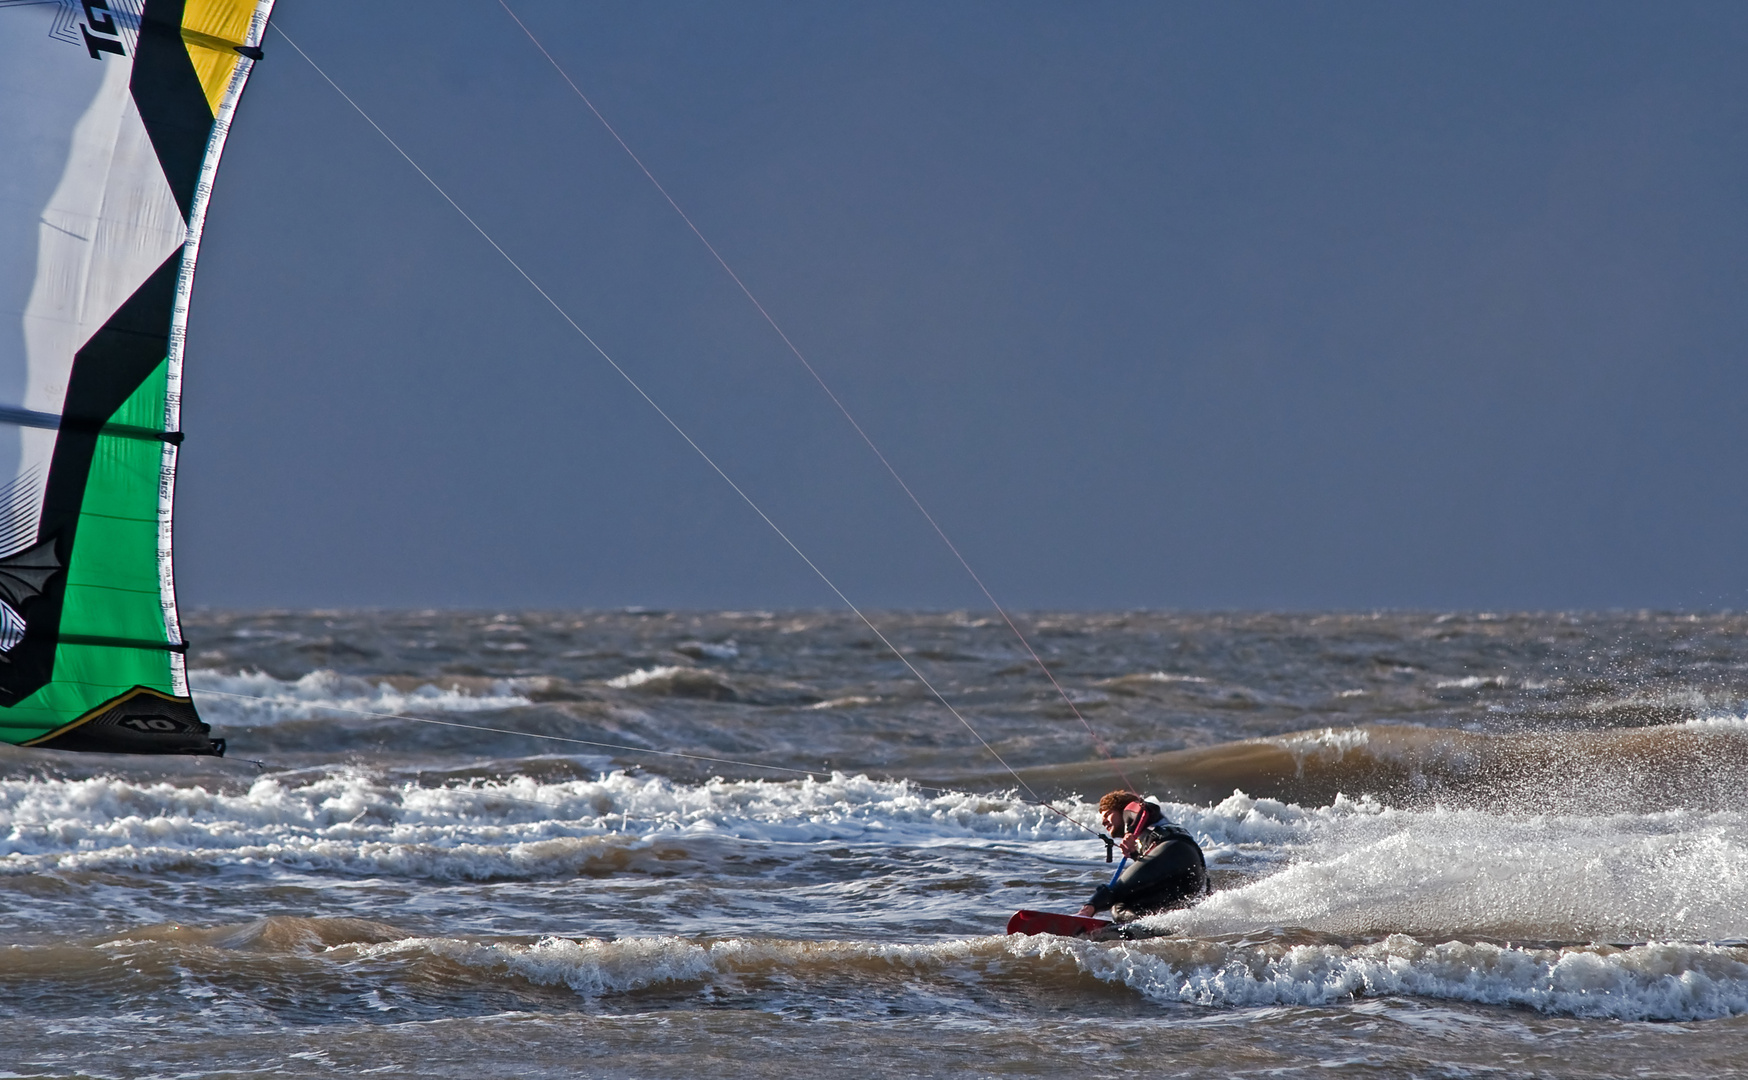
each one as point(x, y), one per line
point(262, 699)
point(590, 966)
point(1677, 698)
point(714, 650)
point(1658, 981)
point(1340, 740)
point(1324, 743)
point(644, 675)
point(1353, 869)
point(356, 821)
point(1722, 722)
point(1359, 868)
point(1488, 682)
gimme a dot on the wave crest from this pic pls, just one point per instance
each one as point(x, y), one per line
point(1694, 764)
point(1656, 981)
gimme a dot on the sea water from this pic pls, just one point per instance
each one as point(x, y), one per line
point(1443, 845)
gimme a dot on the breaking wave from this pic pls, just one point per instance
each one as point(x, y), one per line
point(681, 682)
point(1364, 869)
point(1694, 763)
point(356, 821)
point(1650, 981)
point(254, 698)
point(1357, 867)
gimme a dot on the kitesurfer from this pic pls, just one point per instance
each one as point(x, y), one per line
point(1166, 869)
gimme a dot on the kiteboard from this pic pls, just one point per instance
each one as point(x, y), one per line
point(1049, 922)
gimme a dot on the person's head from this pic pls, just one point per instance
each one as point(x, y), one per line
point(1111, 809)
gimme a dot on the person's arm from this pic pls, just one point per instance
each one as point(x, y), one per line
point(1114, 891)
point(1106, 895)
point(1102, 900)
point(1142, 873)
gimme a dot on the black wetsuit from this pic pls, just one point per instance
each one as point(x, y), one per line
point(1166, 872)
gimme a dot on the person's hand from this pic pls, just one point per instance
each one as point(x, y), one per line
point(1087, 912)
point(1129, 847)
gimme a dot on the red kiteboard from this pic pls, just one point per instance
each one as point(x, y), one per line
point(1049, 922)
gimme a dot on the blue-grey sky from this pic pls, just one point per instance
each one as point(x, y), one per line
point(1155, 305)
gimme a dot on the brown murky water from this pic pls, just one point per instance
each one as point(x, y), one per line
point(1445, 845)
